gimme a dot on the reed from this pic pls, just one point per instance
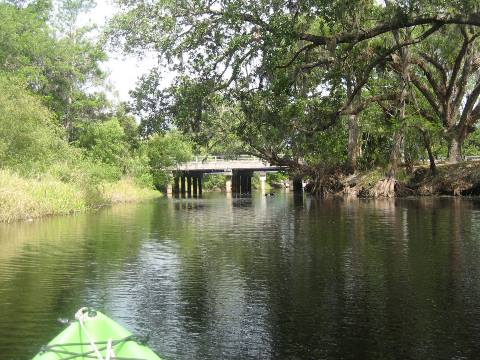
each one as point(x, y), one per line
point(24, 198)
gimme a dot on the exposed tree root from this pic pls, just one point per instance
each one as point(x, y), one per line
point(385, 188)
point(459, 180)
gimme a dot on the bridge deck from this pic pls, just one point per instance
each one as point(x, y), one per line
point(220, 164)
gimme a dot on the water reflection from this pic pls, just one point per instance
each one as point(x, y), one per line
point(261, 277)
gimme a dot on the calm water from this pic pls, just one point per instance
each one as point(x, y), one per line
point(269, 278)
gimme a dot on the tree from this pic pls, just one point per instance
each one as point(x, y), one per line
point(294, 70)
point(56, 67)
point(30, 140)
point(447, 76)
point(105, 142)
point(164, 152)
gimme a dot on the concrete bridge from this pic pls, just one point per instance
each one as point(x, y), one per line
point(188, 177)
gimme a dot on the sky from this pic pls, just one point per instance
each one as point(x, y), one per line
point(123, 70)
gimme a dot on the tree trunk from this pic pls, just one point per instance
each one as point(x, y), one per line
point(455, 149)
point(431, 158)
point(353, 143)
point(395, 154)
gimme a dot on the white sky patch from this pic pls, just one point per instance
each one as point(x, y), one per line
point(123, 70)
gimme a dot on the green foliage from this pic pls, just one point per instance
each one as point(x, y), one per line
point(276, 179)
point(56, 67)
point(281, 80)
point(164, 152)
point(30, 138)
point(212, 182)
point(25, 42)
point(62, 149)
point(105, 142)
point(472, 144)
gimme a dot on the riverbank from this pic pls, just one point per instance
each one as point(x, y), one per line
point(449, 179)
point(27, 198)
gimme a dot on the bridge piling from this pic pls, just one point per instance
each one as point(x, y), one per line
point(241, 182)
point(182, 185)
point(200, 181)
point(176, 184)
point(195, 185)
point(248, 183)
point(296, 184)
point(228, 183)
point(263, 181)
point(234, 182)
point(189, 185)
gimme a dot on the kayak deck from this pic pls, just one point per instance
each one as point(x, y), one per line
point(95, 336)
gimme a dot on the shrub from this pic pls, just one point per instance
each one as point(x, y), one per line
point(164, 152)
point(105, 142)
point(30, 140)
point(213, 182)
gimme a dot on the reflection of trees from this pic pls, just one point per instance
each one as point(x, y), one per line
point(49, 267)
point(439, 318)
point(321, 279)
point(259, 278)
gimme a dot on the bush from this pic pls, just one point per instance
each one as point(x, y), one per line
point(164, 152)
point(276, 179)
point(105, 142)
point(213, 182)
point(29, 139)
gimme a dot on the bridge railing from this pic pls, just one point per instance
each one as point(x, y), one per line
point(218, 158)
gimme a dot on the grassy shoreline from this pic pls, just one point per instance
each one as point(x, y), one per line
point(27, 198)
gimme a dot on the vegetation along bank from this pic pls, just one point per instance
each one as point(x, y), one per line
point(63, 146)
point(327, 89)
point(337, 92)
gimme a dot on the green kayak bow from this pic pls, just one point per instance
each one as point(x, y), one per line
point(94, 335)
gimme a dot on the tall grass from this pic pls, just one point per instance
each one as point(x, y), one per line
point(26, 198)
point(124, 191)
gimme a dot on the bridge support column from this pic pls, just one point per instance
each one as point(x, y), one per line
point(169, 189)
point(176, 184)
point(263, 181)
point(228, 183)
point(235, 182)
point(189, 185)
point(296, 184)
point(182, 184)
point(195, 185)
point(200, 180)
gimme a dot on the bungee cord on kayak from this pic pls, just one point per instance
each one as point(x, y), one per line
point(80, 316)
point(100, 345)
point(105, 340)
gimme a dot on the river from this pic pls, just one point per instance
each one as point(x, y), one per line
point(267, 277)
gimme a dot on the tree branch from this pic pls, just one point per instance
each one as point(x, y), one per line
point(456, 66)
point(431, 79)
point(426, 94)
point(360, 106)
point(297, 54)
point(383, 56)
point(437, 65)
point(394, 24)
point(469, 105)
